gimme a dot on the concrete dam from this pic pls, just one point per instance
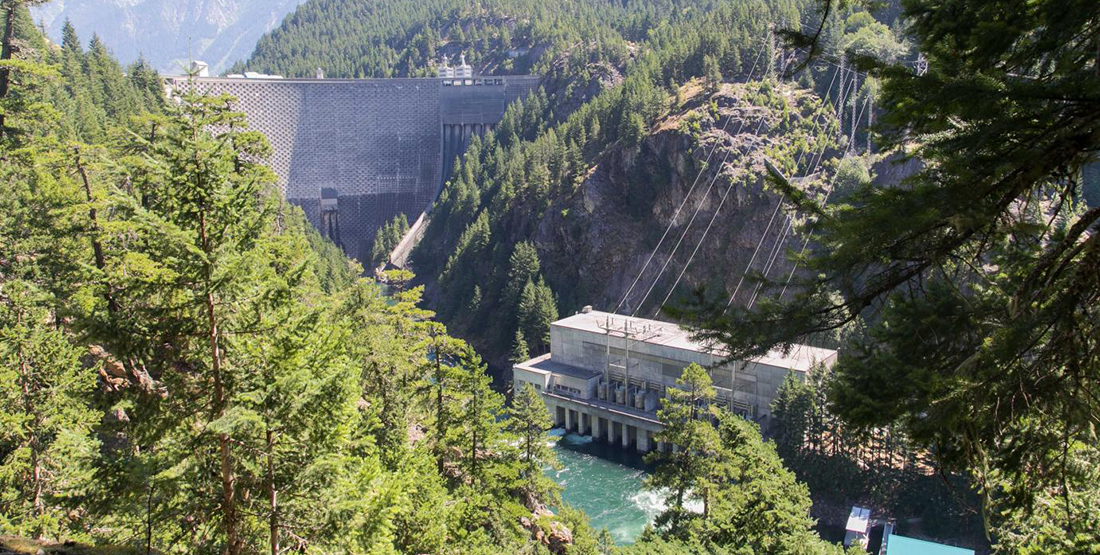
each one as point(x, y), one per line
point(353, 153)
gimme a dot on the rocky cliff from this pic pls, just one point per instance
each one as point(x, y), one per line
point(698, 177)
point(596, 243)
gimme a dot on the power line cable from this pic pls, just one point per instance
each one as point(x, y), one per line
point(688, 226)
point(714, 217)
point(790, 220)
point(809, 236)
point(824, 101)
point(778, 206)
point(684, 203)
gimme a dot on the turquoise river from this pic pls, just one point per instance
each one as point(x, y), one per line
point(606, 483)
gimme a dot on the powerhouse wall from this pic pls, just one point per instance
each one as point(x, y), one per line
point(377, 147)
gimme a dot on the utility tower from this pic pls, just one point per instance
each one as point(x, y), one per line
point(630, 333)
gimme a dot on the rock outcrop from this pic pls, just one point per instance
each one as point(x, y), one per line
point(547, 530)
point(594, 244)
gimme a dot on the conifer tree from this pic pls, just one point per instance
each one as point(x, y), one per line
point(792, 411)
point(687, 470)
point(519, 349)
point(753, 483)
point(202, 209)
point(442, 351)
point(478, 432)
point(712, 74)
point(46, 433)
point(294, 404)
point(536, 309)
point(529, 419)
point(9, 9)
point(523, 266)
point(977, 273)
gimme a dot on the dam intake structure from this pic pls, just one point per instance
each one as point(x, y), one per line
point(354, 153)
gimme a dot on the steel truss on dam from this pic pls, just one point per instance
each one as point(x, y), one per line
point(373, 148)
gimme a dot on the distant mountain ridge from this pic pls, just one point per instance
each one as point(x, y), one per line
point(168, 32)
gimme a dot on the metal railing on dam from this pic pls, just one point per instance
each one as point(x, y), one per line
point(382, 146)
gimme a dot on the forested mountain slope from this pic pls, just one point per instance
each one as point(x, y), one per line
point(585, 236)
point(593, 188)
point(614, 71)
point(187, 367)
point(93, 91)
point(166, 32)
point(351, 38)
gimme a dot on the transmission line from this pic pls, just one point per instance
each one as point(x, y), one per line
point(790, 222)
point(710, 224)
point(676, 214)
point(779, 205)
point(687, 227)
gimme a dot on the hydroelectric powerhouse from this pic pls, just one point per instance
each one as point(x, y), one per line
point(606, 375)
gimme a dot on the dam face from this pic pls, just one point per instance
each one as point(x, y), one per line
point(353, 153)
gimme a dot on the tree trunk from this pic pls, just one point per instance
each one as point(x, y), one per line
point(225, 455)
point(272, 494)
point(530, 440)
point(97, 247)
point(706, 503)
point(32, 442)
point(440, 424)
point(149, 520)
point(473, 457)
point(5, 54)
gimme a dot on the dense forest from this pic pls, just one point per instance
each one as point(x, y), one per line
point(348, 38)
point(187, 366)
point(548, 152)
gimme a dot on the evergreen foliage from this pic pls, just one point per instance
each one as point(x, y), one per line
point(520, 352)
point(187, 367)
point(46, 427)
point(190, 368)
point(404, 38)
point(482, 224)
point(545, 146)
point(751, 502)
point(880, 467)
point(688, 470)
point(975, 276)
point(387, 237)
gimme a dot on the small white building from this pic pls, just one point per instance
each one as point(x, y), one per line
point(444, 70)
point(606, 374)
point(463, 71)
point(858, 527)
point(200, 68)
